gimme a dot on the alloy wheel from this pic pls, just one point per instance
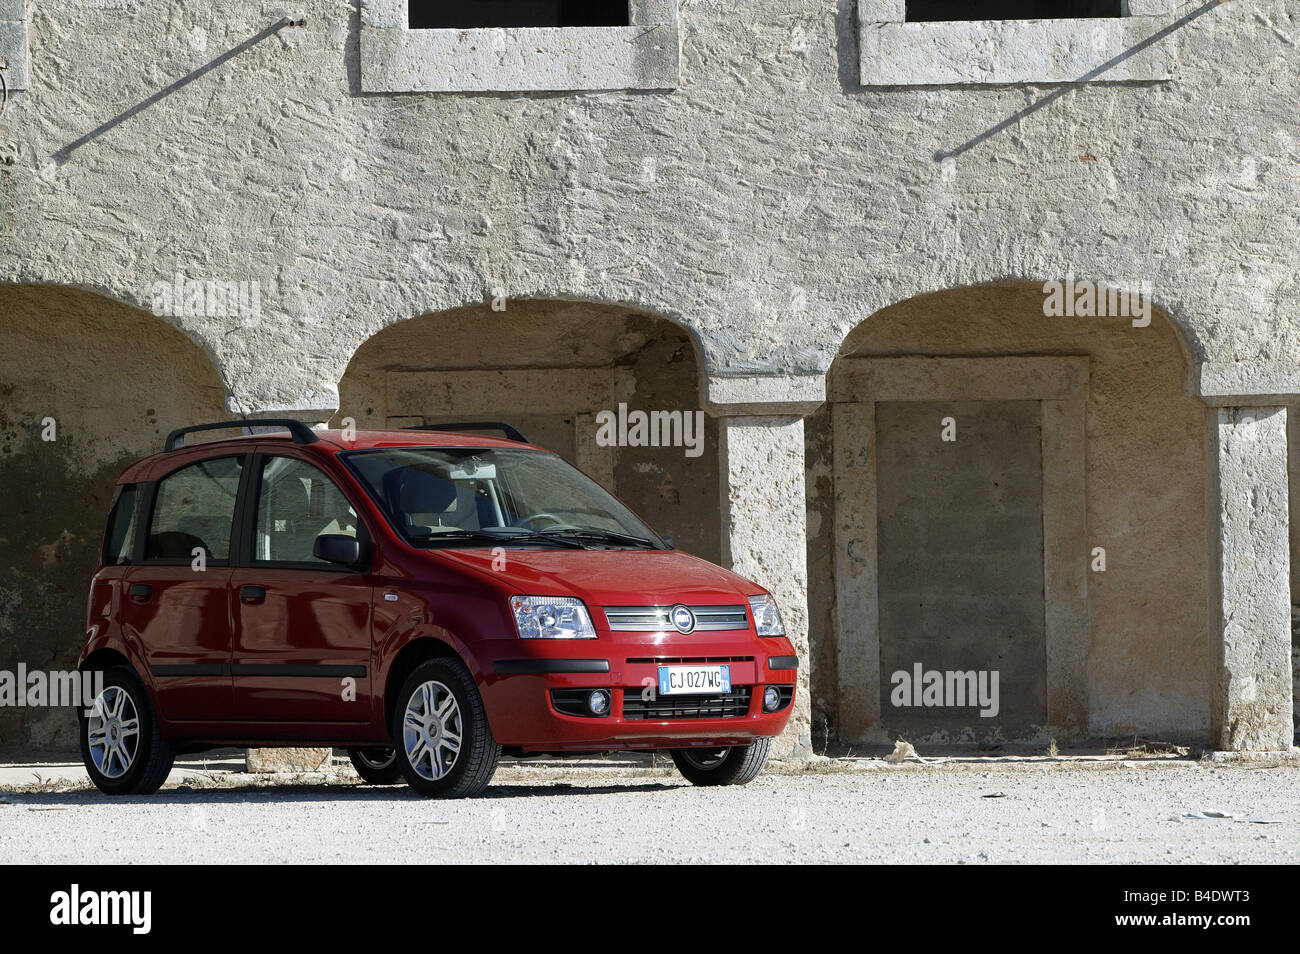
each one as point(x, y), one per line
point(113, 732)
point(432, 730)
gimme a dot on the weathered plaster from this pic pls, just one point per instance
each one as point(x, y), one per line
point(15, 57)
point(767, 205)
point(764, 528)
point(1250, 599)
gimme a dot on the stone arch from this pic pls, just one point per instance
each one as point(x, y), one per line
point(1136, 662)
point(1189, 340)
point(548, 366)
point(106, 381)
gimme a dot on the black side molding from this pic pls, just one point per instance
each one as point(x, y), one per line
point(216, 669)
point(301, 433)
point(279, 670)
point(777, 663)
point(519, 667)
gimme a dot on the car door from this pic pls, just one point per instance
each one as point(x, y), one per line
point(302, 633)
point(177, 598)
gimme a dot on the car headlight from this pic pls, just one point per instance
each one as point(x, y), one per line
point(551, 617)
point(767, 616)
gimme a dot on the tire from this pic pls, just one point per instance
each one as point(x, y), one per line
point(119, 768)
point(463, 773)
point(737, 765)
point(376, 766)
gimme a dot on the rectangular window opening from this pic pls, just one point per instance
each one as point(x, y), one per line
point(929, 11)
point(490, 14)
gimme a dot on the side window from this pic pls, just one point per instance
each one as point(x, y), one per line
point(296, 504)
point(195, 507)
point(120, 535)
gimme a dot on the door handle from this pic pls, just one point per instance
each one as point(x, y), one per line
point(252, 594)
point(140, 592)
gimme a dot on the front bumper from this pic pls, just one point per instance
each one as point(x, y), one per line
point(520, 675)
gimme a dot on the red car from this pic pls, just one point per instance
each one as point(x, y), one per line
point(427, 599)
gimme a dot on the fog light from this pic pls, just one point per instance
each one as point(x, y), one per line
point(771, 699)
point(598, 702)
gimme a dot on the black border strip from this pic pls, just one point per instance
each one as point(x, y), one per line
point(519, 667)
point(778, 663)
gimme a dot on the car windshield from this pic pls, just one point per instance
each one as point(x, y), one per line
point(485, 496)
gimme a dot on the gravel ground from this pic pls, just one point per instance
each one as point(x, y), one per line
point(1105, 811)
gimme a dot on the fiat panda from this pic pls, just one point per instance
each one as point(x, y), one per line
point(428, 600)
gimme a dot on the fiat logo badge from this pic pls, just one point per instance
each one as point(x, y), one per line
point(682, 618)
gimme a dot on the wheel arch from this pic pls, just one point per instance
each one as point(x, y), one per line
point(417, 651)
point(106, 657)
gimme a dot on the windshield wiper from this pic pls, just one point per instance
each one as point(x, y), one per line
point(433, 536)
point(583, 533)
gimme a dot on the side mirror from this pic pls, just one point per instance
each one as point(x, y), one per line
point(338, 548)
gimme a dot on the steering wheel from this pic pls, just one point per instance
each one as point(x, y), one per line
point(538, 516)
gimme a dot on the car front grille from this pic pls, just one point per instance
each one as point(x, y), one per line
point(729, 705)
point(657, 619)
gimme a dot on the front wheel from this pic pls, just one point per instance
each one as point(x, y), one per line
point(736, 765)
point(441, 736)
point(376, 766)
point(121, 743)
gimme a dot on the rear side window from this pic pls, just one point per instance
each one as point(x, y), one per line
point(120, 535)
point(195, 508)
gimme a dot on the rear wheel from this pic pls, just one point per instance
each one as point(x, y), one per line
point(376, 766)
point(441, 736)
point(121, 743)
point(736, 765)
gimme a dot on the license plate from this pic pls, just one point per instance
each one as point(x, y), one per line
point(694, 680)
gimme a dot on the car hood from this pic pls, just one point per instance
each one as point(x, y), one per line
point(609, 577)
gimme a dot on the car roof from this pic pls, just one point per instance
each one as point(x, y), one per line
point(156, 465)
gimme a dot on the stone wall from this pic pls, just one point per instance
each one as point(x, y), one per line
point(768, 203)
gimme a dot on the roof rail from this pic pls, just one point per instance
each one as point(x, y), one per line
point(511, 433)
point(301, 433)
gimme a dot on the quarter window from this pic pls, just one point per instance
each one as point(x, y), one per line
point(296, 504)
point(120, 536)
point(195, 509)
